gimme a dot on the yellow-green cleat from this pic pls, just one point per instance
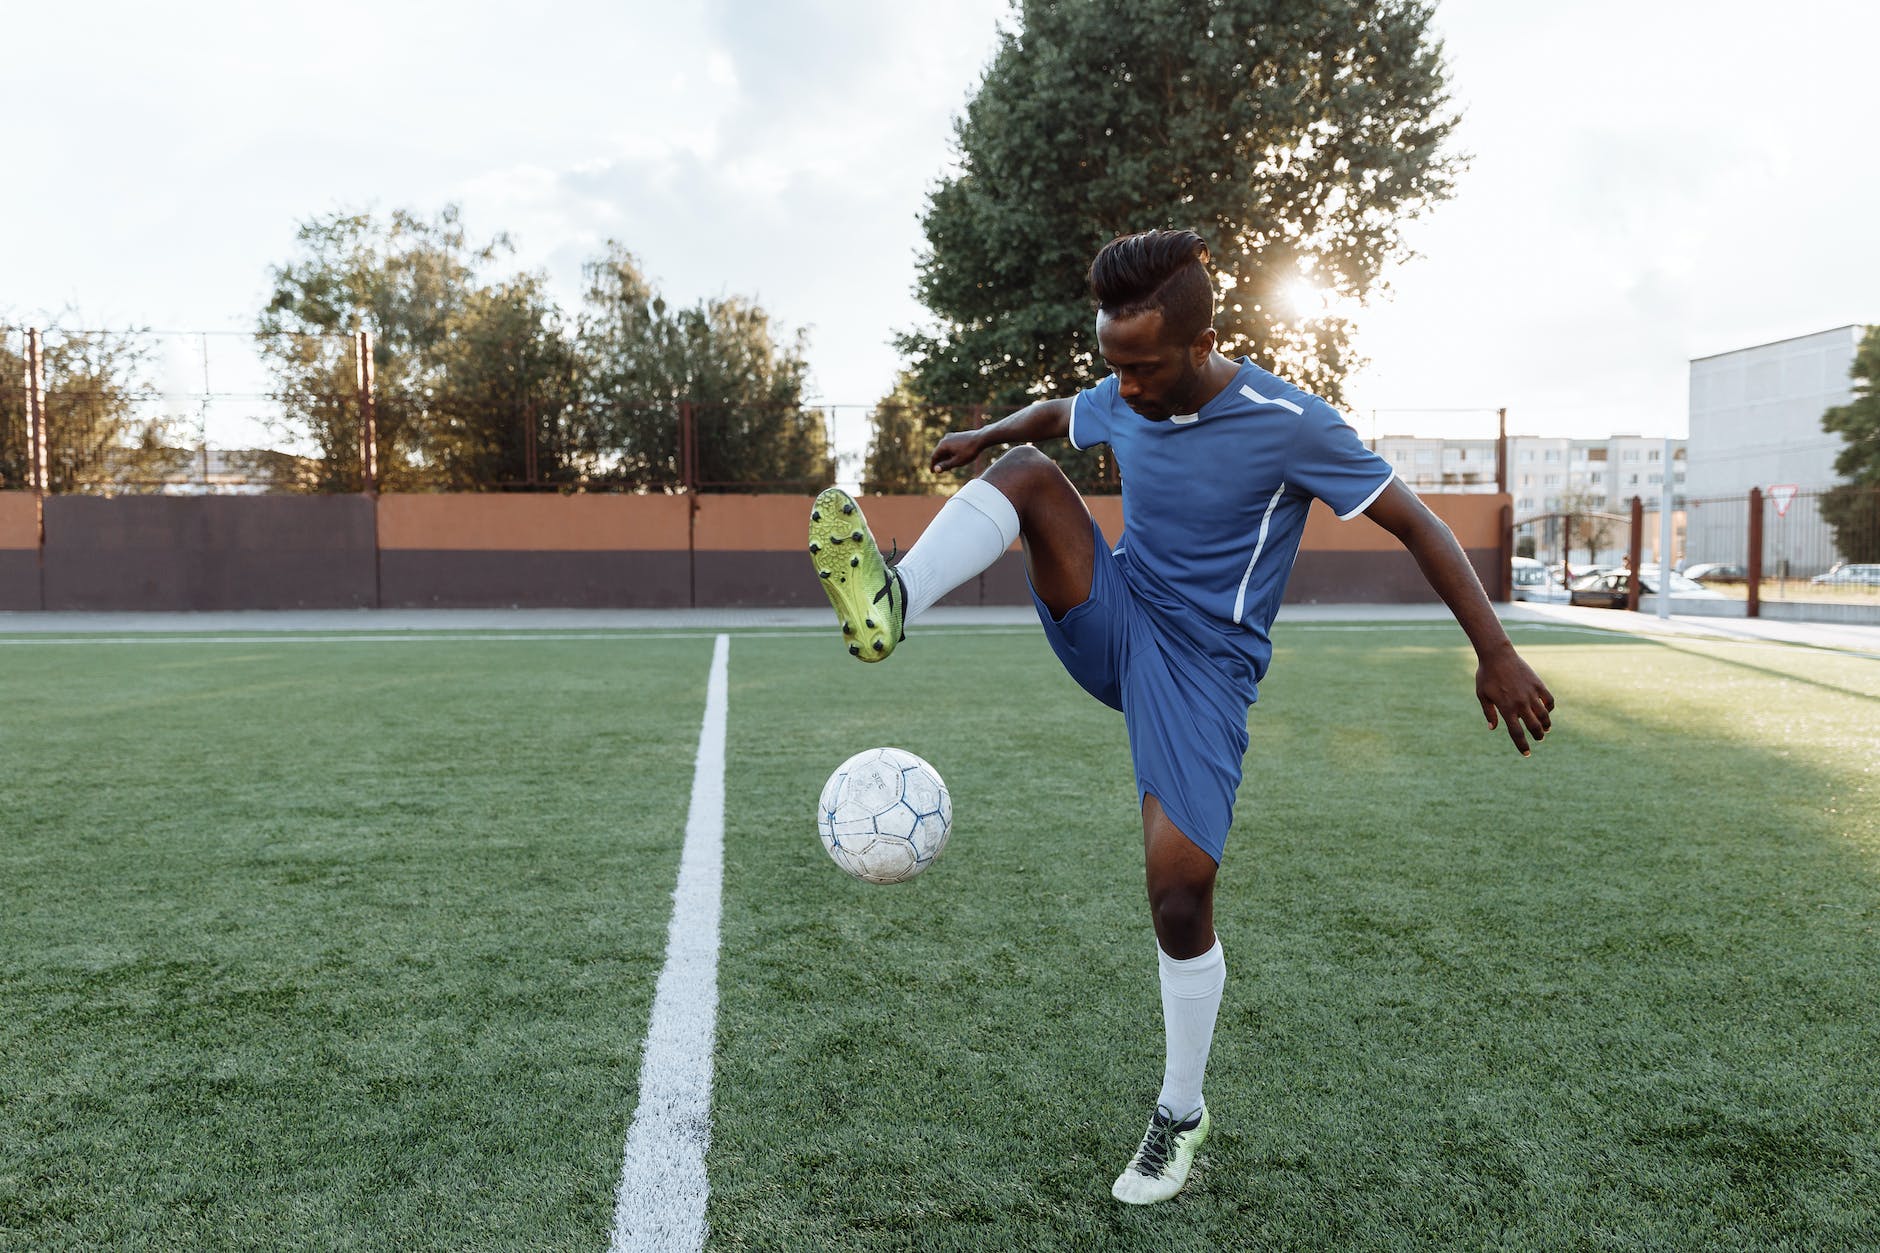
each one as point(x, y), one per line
point(1161, 1164)
point(864, 589)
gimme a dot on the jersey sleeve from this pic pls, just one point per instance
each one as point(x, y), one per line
point(1329, 460)
point(1090, 414)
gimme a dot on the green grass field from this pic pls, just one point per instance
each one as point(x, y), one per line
point(353, 944)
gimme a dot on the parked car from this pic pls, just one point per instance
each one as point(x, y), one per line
point(1607, 589)
point(1535, 582)
point(1860, 573)
point(1568, 575)
point(1717, 572)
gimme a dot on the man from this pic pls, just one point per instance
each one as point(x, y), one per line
point(1220, 463)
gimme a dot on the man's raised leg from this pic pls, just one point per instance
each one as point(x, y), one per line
point(1024, 494)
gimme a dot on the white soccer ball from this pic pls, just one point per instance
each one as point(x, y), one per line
point(884, 815)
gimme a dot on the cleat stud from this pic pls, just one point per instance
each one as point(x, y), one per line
point(815, 548)
point(871, 624)
point(855, 535)
point(825, 574)
point(854, 561)
point(849, 508)
point(847, 629)
point(880, 647)
point(855, 650)
point(815, 515)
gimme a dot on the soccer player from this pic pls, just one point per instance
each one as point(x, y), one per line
point(1220, 462)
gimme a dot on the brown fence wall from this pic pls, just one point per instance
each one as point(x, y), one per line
point(209, 552)
point(598, 551)
point(19, 552)
point(1359, 562)
point(588, 552)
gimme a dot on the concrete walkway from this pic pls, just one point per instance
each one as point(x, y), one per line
point(1841, 637)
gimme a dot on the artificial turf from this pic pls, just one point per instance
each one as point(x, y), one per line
point(331, 945)
point(352, 944)
point(1617, 995)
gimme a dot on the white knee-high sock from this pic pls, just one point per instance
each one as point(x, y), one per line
point(1191, 997)
point(967, 536)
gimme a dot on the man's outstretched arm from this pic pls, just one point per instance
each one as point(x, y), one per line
point(1046, 419)
point(1506, 685)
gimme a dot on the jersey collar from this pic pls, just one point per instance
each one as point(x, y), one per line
point(1215, 402)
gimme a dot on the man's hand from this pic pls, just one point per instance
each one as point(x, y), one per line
point(1510, 690)
point(961, 448)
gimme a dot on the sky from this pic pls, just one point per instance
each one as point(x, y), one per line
point(1649, 181)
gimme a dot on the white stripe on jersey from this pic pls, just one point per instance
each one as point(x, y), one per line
point(1240, 597)
point(1368, 500)
point(1258, 399)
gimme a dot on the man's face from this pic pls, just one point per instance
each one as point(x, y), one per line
point(1156, 378)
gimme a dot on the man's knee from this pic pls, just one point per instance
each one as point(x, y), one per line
point(1182, 913)
point(1023, 467)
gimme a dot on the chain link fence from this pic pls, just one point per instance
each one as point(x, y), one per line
point(196, 413)
point(1788, 545)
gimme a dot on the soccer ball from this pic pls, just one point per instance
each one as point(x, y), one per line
point(884, 815)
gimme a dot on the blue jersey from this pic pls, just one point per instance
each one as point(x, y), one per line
point(1214, 504)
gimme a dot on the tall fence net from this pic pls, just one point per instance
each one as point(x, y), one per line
point(1781, 545)
point(196, 413)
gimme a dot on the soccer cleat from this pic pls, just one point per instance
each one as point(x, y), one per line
point(861, 585)
point(1161, 1164)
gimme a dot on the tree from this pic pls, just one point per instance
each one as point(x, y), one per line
point(94, 439)
point(643, 360)
point(1853, 508)
point(1591, 525)
point(504, 409)
point(905, 429)
point(407, 282)
point(1295, 135)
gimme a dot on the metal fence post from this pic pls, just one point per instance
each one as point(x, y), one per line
point(1634, 552)
point(688, 447)
point(1501, 452)
point(531, 455)
point(1755, 562)
point(368, 413)
point(37, 476)
point(1504, 534)
point(688, 472)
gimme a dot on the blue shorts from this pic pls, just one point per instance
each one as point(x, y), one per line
point(1187, 724)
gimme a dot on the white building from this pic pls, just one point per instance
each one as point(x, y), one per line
point(1440, 465)
point(1548, 478)
point(1756, 422)
point(1756, 413)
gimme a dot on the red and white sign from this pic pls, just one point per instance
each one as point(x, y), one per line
point(1782, 494)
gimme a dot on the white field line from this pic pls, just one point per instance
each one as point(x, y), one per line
point(660, 1205)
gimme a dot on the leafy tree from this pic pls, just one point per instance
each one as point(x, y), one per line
point(406, 281)
point(1592, 527)
point(94, 439)
point(1294, 135)
point(905, 429)
point(1853, 508)
point(503, 409)
point(643, 360)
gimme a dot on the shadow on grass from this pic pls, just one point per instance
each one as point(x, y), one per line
point(1771, 671)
